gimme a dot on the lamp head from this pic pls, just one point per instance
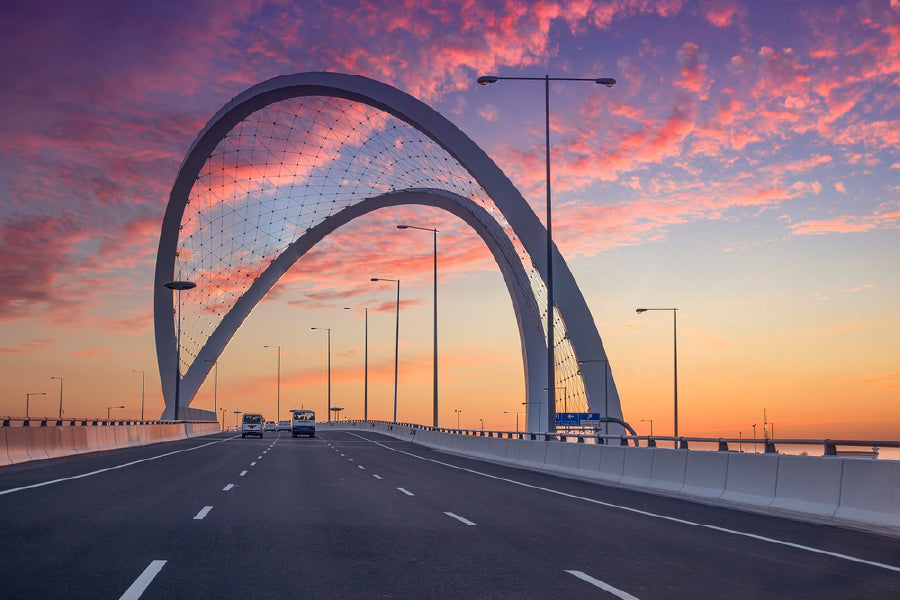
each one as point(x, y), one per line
point(607, 81)
point(402, 226)
point(640, 310)
point(486, 79)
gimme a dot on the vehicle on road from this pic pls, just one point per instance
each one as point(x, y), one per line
point(284, 425)
point(303, 422)
point(252, 424)
point(271, 426)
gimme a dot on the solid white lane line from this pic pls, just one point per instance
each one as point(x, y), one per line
point(377, 476)
point(462, 520)
point(603, 586)
point(242, 473)
point(407, 492)
point(203, 512)
point(645, 513)
point(98, 471)
point(227, 487)
point(140, 584)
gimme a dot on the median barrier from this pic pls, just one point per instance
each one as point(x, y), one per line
point(532, 454)
point(612, 463)
point(66, 440)
point(36, 449)
point(589, 461)
point(638, 466)
point(17, 444)
point(668, 469)
point(4, 455)
point(870, 492)
point(568, 458)
point(551, 457)
point(705, 474)
point(80, 439)
point(751, 479)
point(808, 485)
point(512, 448)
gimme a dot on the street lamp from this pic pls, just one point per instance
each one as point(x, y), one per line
point(236, 415)
point(142, 391)
point(457, 411)
point(109, 408)
point(328, 329)
point(178, 286)
point(675, 353)
point(223, 418)
point(435, 343)
point(215, 384)
point(396, 341)
point(651, 425)
point(605, 391)
point(366, 366)
point(60, 395)
point(278, 386)
point(509, 412)
point(28, 400)
point(565, 398)
point(551, 366)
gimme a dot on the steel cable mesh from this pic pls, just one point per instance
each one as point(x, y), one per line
point(287, 167)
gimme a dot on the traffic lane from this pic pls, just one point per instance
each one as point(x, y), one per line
point(677, 548)
point(95, 534)
point(307, 521)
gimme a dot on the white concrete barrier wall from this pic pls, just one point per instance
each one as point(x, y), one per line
point(862, 492)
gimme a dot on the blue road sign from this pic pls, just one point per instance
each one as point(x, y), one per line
point(577, 419)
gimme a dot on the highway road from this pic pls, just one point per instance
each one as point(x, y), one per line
point(360, 515)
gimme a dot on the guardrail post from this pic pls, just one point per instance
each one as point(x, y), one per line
point(682, 443)
point(651, 443)
point(723, 445)
point(770, 447)
point(830, 448)
point(622, 441)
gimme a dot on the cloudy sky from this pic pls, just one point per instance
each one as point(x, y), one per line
point(744, 170)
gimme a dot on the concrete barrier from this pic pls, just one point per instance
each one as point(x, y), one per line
point(612, 463)
point(589, 461)
point(808, 485)
point(705, 474)
point(532, 454)
point(870, 492)
point(568, 458)
point(752, 479)
point(4, 455)
point(37, 449)
point(668, 469)
point(17, 444)
point(638, 466)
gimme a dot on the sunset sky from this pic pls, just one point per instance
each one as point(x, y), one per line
point(745, 169)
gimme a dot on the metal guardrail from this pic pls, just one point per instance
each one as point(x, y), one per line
point(81, 422)
point(830, 447)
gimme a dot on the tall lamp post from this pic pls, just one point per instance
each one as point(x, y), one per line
point(178, 286)
point(366, 365)
point(328, 329)
point(222, 410)
point(396, 341)
point(605, 390)
point(278, 386)
point(675, 354)
point(60, 395)
point(142, 390)
point(435, 343)
point(551, 362)
point(507, 412)
point(236, 415)
point(457, 411)
point(28, 401)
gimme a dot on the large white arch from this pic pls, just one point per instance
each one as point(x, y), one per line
point(580, 329)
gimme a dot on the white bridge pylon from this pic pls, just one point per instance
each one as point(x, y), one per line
point(517, 241)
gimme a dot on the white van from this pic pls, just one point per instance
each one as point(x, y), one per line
point(303, 422)
point(252, 424)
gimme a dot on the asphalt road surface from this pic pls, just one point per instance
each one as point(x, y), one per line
point(360, 515)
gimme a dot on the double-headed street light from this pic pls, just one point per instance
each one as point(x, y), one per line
point(396, 341)
point(28, 401)
point(278, 386)
point(328, 329)
point(178, 286)
point(365, 365)
point(435, 343)
point(551, 362)
point(675, 354)
point(457, 411)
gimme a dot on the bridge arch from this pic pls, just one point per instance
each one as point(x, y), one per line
point(478, 192)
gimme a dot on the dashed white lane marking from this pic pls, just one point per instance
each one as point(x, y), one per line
point(462, 520)
point(377, 476)
point(603, 586)
point(203, 512)
point(253, 464)
point(361, 467)
point(140, 584)
point(342, 454)
point(351, 460)
point(242, 473)
point(227, 487)
point(645, 513)
point(407, 492)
